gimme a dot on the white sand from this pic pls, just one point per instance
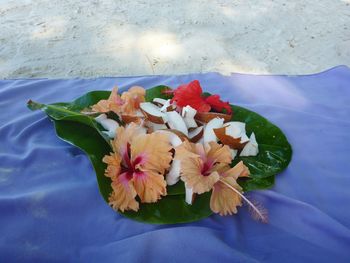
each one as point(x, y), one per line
point(70, 38)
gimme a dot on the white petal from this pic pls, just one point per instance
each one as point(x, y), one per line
point(251, 148)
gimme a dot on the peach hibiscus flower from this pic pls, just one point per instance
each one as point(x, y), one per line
point(200, 164)
point(126, 104)
point(226, 194)
point(132, 99)
point(205, 168)
point(137, 166)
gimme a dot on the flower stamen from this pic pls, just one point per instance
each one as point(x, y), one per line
point(260, 215)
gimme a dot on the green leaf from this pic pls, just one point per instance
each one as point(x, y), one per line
point(176, 189)
point(89, 140)
point(86, 100)
point(158, 92)
point(256, 183)
point(72, 111)
point(173, 209)
point(170, 209)
point(275, 152)
point(32, 105)
point(82, 131)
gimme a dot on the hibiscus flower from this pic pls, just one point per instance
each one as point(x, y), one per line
point(126, 104)
point(113, 103)
point(132, 99)
point(226, 193)
point(218, 105)
point(192, 94)
point(137, 166)
point(200, 164)
point(206, 168)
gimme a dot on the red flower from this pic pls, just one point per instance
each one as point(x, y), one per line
point(218, 105)
point(192, 94)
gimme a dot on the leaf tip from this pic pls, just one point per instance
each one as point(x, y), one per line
point(32, 105)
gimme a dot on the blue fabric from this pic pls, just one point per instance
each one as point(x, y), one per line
point(51, 210)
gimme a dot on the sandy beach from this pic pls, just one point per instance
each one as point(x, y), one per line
point(66, 38)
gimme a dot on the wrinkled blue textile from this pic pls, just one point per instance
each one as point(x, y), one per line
point(51, 209)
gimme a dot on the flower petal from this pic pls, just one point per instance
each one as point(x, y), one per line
point(132, 99)
point(191, 94)
point(113, 165)
point(125, 136)
point(191, 174)
point(218, 105)
point(218, 153)
point(194, 157)
point(186, 150)
point(150, 186)
point(111, 104)
point(155, 149)
point(239, 170)
point(123, 195)
point(224, 200)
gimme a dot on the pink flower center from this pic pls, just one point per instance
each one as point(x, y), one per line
point(206, 168)
point(119, 101)
point(131, 167)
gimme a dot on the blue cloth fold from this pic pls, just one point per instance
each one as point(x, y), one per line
point(51, 210)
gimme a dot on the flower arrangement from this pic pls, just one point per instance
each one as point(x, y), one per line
point(163, 151)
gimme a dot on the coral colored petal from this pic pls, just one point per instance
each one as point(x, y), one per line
point(155, 149)
point(111, 104)
point(102, 106)
point(200, 166)
point(191, 174)
point(137, 90)
point(224, 200)
point(126, 104)
point(218, 152)
point(113, 165)
point(123, 195)
point(132, 99)
point(239, 170)
point(150, 186)
point(125, 135)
